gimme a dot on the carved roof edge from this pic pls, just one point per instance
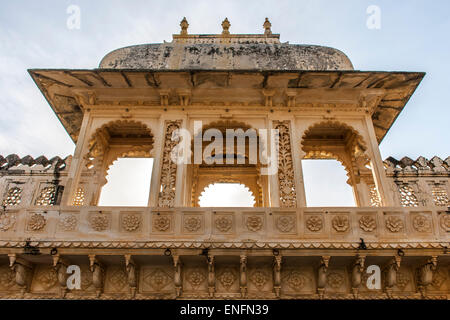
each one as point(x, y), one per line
point(420, 166)
point(13, 160)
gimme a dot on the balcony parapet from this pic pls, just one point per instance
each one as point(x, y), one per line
point(144, 227)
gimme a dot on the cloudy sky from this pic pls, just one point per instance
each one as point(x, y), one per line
point(34, 34)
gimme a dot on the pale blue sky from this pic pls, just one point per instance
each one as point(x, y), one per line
point(413, 37)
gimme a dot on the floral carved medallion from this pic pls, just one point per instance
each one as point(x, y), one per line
point(196, 277)
point(259, 278)
point(296, 280)
point(68, 223)
point(394, 224)
point(285, 223)
point(7, 221)
point(227, 278)
point(131, 222)
point(192, 224)
point(36, 222)
point(445, 222)
point(367, 223)
point(314, 223)
point(422, 223)
point(224, 223)
point(158, 279)
point(161, 223)
point(254, 223)
point(335, 280)
point(340, 223)
point(47, 278)
point(99, 222)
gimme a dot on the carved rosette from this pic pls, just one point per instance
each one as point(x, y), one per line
point(394, 224)
point(47, 278)
point(314, 223)
point(285, 223)
point(36, 222)
point(161, 223)
point(192, 224)
point(254, 223)
point(259, 278)
point(68, 223)
point(131, 222)
point(196, 277)
point(99, 222)
point(335, 280)
point(445, 222)
point(227, 278)
point(169, 167)
point(224, 223)
point(296, 280)
point(7, 221)
point(367, 223)
point(422, 223)
point(286, 181)
point(340, 223)
point(158, 279)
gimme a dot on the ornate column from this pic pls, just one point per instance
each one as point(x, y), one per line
point(168, 176)
point(287, 192)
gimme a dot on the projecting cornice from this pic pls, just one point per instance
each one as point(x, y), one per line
point(382, 94)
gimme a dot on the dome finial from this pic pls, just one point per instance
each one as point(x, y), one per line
point(184, 26)
point(225, 26)
point(267, 25)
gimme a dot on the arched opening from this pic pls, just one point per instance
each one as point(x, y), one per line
point(226, 195)
point(119, 161)
point(325, 184)
point(128, 183)
point(225, 163)
point(324, 181)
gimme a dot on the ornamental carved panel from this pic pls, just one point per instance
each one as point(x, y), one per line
point(286, 179)
point(223, 223)
point(421, 223)
point(116, 279)
point(130, 221)
point(45, 279)
point(227, 278)
point(36, 222)
point(168, 167)
point(162, 223)
point(158, 278)
point(195, 279)
point(297, 280)
point(193, 223)
point(286, 223)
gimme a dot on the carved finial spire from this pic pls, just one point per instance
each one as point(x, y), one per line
point(184, 26)
point(267, 26)
point(225, 26)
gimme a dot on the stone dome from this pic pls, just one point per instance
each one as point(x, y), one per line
point(247, 55)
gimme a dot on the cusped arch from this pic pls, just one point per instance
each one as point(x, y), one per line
point(119, 138)
point(336, 140)
point(357, 142)
point(226, 180)
point(222, 125)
